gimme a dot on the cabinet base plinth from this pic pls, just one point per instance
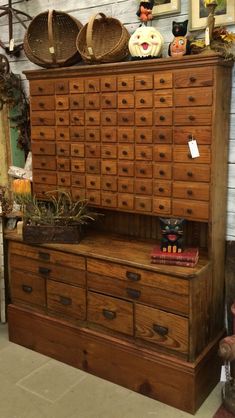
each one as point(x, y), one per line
point(167, 379)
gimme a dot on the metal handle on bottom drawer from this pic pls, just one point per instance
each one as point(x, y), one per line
point(132, 293)
point(109, 314)
point(44, 270)
point(26, 288)
point(65, 301)
point(160, 330)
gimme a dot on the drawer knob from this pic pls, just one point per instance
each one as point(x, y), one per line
point(191, 117)
point(124, 136)
point(61, 135)
point(107, 152)
point(124, 203)
point(76, 151)
point(41, 133)
point(189, 192)
point(108, 119)
point(133, 293)
point(91, 167)
point(125, 119)
point(109, 314)
point(107, 102)
point(60, 103)
point(191, 98)
point(62, 180)
point(91, 135)
point(75, 103)
point(41, 120)
point(134, 277)
point(61, 165)
point(40, 88)
point(143, 154)
point(75, 86)
point(161, 136)
point(160, 330)
point(43, 164)
point(142, 171)
point(107, 85)
point(42, 149)
point(143, 118)
point(142, 82)
point(124, 101)
point(125, 170)
point(41, 104)
point(162, 118)
point(161, 207)
point(44, 270)
point(92, 199)
point(161, 172)
point(91, 103)
point(142, 205)
point(161, 154)
point(26, 288)
point(91, 86)
point(162, 81)
point(189, 211)
point(189, 155)
point(107, 136)
point(161, 189)
point(124, 152)
point(92, 151)
point(61, 150)
point(91, 119)
point(124, 83)
point(44, 178)
point(162, 99)
point(108, 201)
point(61, 119)
point(142, 101)
point(92, 183)
point(61, 88)
point(76, 119)
point(143, 188)
point(77, 182)
point(124, 187)
point(190, 174)
point(107, 168)
point(76, 135)
point(142, 136)
point(108, 184)
point(65, 301)
point(192, 79)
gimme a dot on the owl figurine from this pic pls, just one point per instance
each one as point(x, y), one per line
point(180, 45)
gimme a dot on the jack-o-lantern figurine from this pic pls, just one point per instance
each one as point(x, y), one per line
point(145, 10)
point(180, 45)
point(146, 42)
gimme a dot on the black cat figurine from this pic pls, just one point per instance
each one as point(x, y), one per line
point(172, 235)
point(180, 45)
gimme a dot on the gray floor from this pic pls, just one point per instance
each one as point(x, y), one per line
point(35, 386)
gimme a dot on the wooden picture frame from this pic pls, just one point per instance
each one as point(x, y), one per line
point(224, 15)
point(165, 7)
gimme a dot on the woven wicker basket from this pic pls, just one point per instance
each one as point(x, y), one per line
point(50, 40)
point(103, 40)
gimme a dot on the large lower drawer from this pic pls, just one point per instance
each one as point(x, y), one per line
point(27, 288)
point(66, 300)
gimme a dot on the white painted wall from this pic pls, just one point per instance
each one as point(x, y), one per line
point(125, 11)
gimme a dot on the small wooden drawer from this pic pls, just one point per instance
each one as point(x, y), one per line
point(162, 188)
point(62, 133)
point(109, 118)
point(126, 118)
point(62, 102)
point(92, 118)
point(193, 116)
point(162, 328)
point(126, 168)
point(163, 80)
point(27, 288)
point(93, 166)
point(43, 163)
point(191, 172)
point(162, 135)
point(182, 154)
point(78, 180)
point(143, 99)
point(77, 165)
point(162, 171)
point(62, 118)
point(125, 134)
point(76, 101)
point(109, 101)
point(125, 82)
point(42, 103)
point(199, 77)
point(143, 187)
point(163, 98)
point(77, 150)
point(42, 190)
point(77, 134)
point(108, 84)
point(44, 118)
point(66, 300)
point(109, 151)
point(191, 209)
point(196, 191)
point(39, 87)
point(77, 117)
point(109, 183)
point(76, 85)
point(92, 150)
point(63, 149)
point(162, 153)
point(78, 194)
point(161, 205)
point(126, 185)
point(92, 101)
point(92, 85)
point(47, 177)
point(143, 136)
point(61, 87)
point(163, 117)
point(92, 134)
point(125, 201)
point(126, 100)
point(93, 197)
point(63, 179)
point(111, 313)
point(63, 164)
point(193, 97)
point(144, 117)
point(44, 133)
point(126, 152)
point(143, 152)
point(109, 167)
point(143, 204)
point(109, 200)
point(183, 134)
point(93, 182)
point(144, 169)
point(144, 81)
point(108, 134)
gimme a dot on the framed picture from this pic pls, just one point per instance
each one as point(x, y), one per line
point(224, 14)
point(164, 7)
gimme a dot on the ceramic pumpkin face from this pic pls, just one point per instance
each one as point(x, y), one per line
point(146, 42)
point(178, 47)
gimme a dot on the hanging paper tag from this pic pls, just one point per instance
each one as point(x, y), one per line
point(193, 148)
point(223, 374)
point(207, 36)
point(11, 45)
point(52, 50)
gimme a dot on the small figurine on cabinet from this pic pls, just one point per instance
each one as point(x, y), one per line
point(172, 235)
point(146, 42)
point(145, 10)
point(180, 45)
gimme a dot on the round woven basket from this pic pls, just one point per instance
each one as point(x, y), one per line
point(103, 40)
point(50, 39)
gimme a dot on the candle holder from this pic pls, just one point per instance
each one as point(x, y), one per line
point(210, 20)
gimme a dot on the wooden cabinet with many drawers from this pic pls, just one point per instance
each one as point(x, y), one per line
point(117, 135)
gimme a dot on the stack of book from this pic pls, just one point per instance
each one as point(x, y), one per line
point(188, 257)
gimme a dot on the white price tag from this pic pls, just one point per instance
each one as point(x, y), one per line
point(11, 45)
point(223, 374)
point(51, 49)
point(193, 148)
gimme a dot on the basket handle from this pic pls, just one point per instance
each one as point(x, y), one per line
point(50, 36)
point(89, 40)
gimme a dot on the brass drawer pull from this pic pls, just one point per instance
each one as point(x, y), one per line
point(109, 314)
point(107, 152)
point(61, 119)
point(41, 134)
point(142, 136)
point(189, 192)
point(75, 86)
point(41, 104)
point(143, 188)
point(124, 136)
point(108, 184)
point(124, 152)
point(189, 211)
point(143, 118)
point(62, 180)
point(125, 170)
point(26, 288)
point(92, 183)
point(43, 256)
point(161, 136)
point(161, 207)
point(61, 135)
point(91, 135)
point(107, 168)
point(162, 81)
point(133, 293)
point(191, 117)
point(76, 151)
point(91, 119)
point(143, 154)
point(160, 330)
point(60, 103)
point(124, 83)
point(191, 98)
point(190, 174)
point(192, 79)
point(44, 270)
point(142, 101)
point(162, 99)
point(108, 119)
point(107, 102)
point(134, 277)
point(162, 172)
point(161, 189)
point(142, 82)
point(65, 301)
point(124, 101)
point(76, 119)
point(162, 117)
point(91, 86)
point(161, 154)
point(75, 103)
point(107, 85)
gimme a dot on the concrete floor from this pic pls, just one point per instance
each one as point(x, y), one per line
point(35, 386)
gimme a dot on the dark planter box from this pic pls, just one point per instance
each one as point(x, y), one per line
point(37, 234)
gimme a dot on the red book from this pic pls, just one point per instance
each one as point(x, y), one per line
point(182, 263)
point(189, 254)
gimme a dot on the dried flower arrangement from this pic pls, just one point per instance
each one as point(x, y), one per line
point(222, 42)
